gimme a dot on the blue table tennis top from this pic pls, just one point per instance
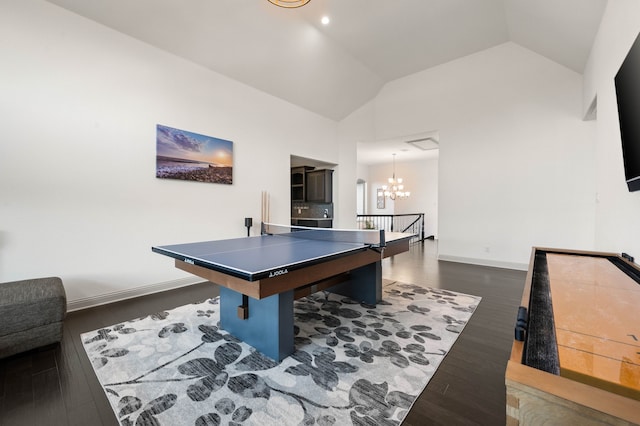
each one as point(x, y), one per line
point(255, 258)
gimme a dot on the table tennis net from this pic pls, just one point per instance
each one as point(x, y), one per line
point(359, 236)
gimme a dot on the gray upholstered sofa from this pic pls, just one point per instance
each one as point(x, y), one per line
point(31, 314)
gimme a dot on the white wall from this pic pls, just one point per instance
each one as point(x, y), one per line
point(617, 210)
point(357, 127)
point(78, 109)
point(78, 195)
point(420, 177)
point(378, 175)
point(516, 165)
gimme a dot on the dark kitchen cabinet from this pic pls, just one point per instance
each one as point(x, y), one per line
point(319, 186)
point(313, 223)
point(298, 183)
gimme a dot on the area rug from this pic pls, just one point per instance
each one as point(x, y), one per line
point(354, 363)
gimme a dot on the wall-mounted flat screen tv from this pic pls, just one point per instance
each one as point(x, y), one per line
point(627, 83)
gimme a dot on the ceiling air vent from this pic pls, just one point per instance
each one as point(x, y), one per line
point(424, 144)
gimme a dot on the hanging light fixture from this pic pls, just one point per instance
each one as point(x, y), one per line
point(289, 3)
point(395, 189)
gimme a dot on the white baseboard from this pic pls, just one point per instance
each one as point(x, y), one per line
point(116, 296)
point(485, 262)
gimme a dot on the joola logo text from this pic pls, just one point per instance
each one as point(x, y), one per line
point(278, 272)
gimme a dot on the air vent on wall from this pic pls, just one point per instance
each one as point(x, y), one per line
point(424, 144)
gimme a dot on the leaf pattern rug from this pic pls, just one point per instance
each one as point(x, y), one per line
point(354, 363)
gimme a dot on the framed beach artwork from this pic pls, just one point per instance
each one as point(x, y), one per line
point(186, 155)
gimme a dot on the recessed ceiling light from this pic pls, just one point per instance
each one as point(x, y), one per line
point(325, 20)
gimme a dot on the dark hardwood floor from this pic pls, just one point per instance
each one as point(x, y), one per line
point(56, 385)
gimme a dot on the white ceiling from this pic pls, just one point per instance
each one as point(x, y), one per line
point(333, 70)
point(406, 148)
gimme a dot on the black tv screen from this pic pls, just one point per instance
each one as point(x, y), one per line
point(627, 83)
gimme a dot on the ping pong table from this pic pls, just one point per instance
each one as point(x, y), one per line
point(261, 276)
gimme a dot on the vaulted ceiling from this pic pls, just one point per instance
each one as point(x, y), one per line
point(336, 68)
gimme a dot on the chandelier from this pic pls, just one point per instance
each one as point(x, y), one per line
point(289, 3)
point(395, 189)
